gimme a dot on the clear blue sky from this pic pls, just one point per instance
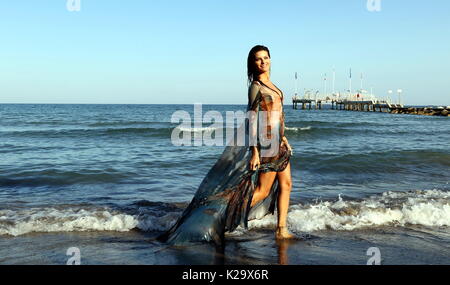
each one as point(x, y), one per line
point(115, 51)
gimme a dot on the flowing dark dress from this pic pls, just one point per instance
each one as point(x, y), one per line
point(222, 201)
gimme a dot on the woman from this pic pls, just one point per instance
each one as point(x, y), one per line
point(271, 101)
point(247, 181)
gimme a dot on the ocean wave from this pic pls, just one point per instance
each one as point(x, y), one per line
point(430, 208)
point(199, 129)
point(164, 130)
point(19, 222)
point(314, 132)
point(296, 129)
point(90, 132)
point(160, 131)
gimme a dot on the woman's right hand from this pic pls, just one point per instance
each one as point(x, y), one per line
point(288, 145)
point(254, 162)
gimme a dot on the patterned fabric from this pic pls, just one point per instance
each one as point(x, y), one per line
point(222, 201)
point(264, 98)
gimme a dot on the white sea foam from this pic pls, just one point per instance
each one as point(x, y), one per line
point(296, 129)
point(200, 129)
point(148, 222)
point(19, 222)
point(428, 208)
point(79, 219)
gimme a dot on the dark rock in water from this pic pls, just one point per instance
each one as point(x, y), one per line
point(412, 111)
point(428, 111)
point(444, 113)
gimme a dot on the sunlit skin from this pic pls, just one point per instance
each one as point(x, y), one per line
point(262, 63)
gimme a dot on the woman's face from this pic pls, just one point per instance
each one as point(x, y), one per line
point(262, 61)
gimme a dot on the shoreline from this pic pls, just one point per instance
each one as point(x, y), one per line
point(397, 246)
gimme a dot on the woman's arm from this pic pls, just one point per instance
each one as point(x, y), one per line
point(252, 108)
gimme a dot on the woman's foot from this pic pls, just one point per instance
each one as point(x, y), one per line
point(283, 233)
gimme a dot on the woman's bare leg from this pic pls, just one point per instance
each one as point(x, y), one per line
point(262, 190)
point(285, 183)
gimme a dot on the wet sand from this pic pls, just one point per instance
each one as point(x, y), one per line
point(396, 246)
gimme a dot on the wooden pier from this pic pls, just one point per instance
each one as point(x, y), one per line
point(363, 106)
point(358, 100)
point(370, 106)
point(309, 102)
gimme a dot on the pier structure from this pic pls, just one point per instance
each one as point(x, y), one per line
point(364, 105)
point(358, 100)
point(373, 105)
point(355, 102)
point(310, 99)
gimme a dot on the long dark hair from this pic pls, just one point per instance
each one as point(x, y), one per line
point(251, 67)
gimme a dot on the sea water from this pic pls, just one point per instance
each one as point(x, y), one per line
point(106, 179)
